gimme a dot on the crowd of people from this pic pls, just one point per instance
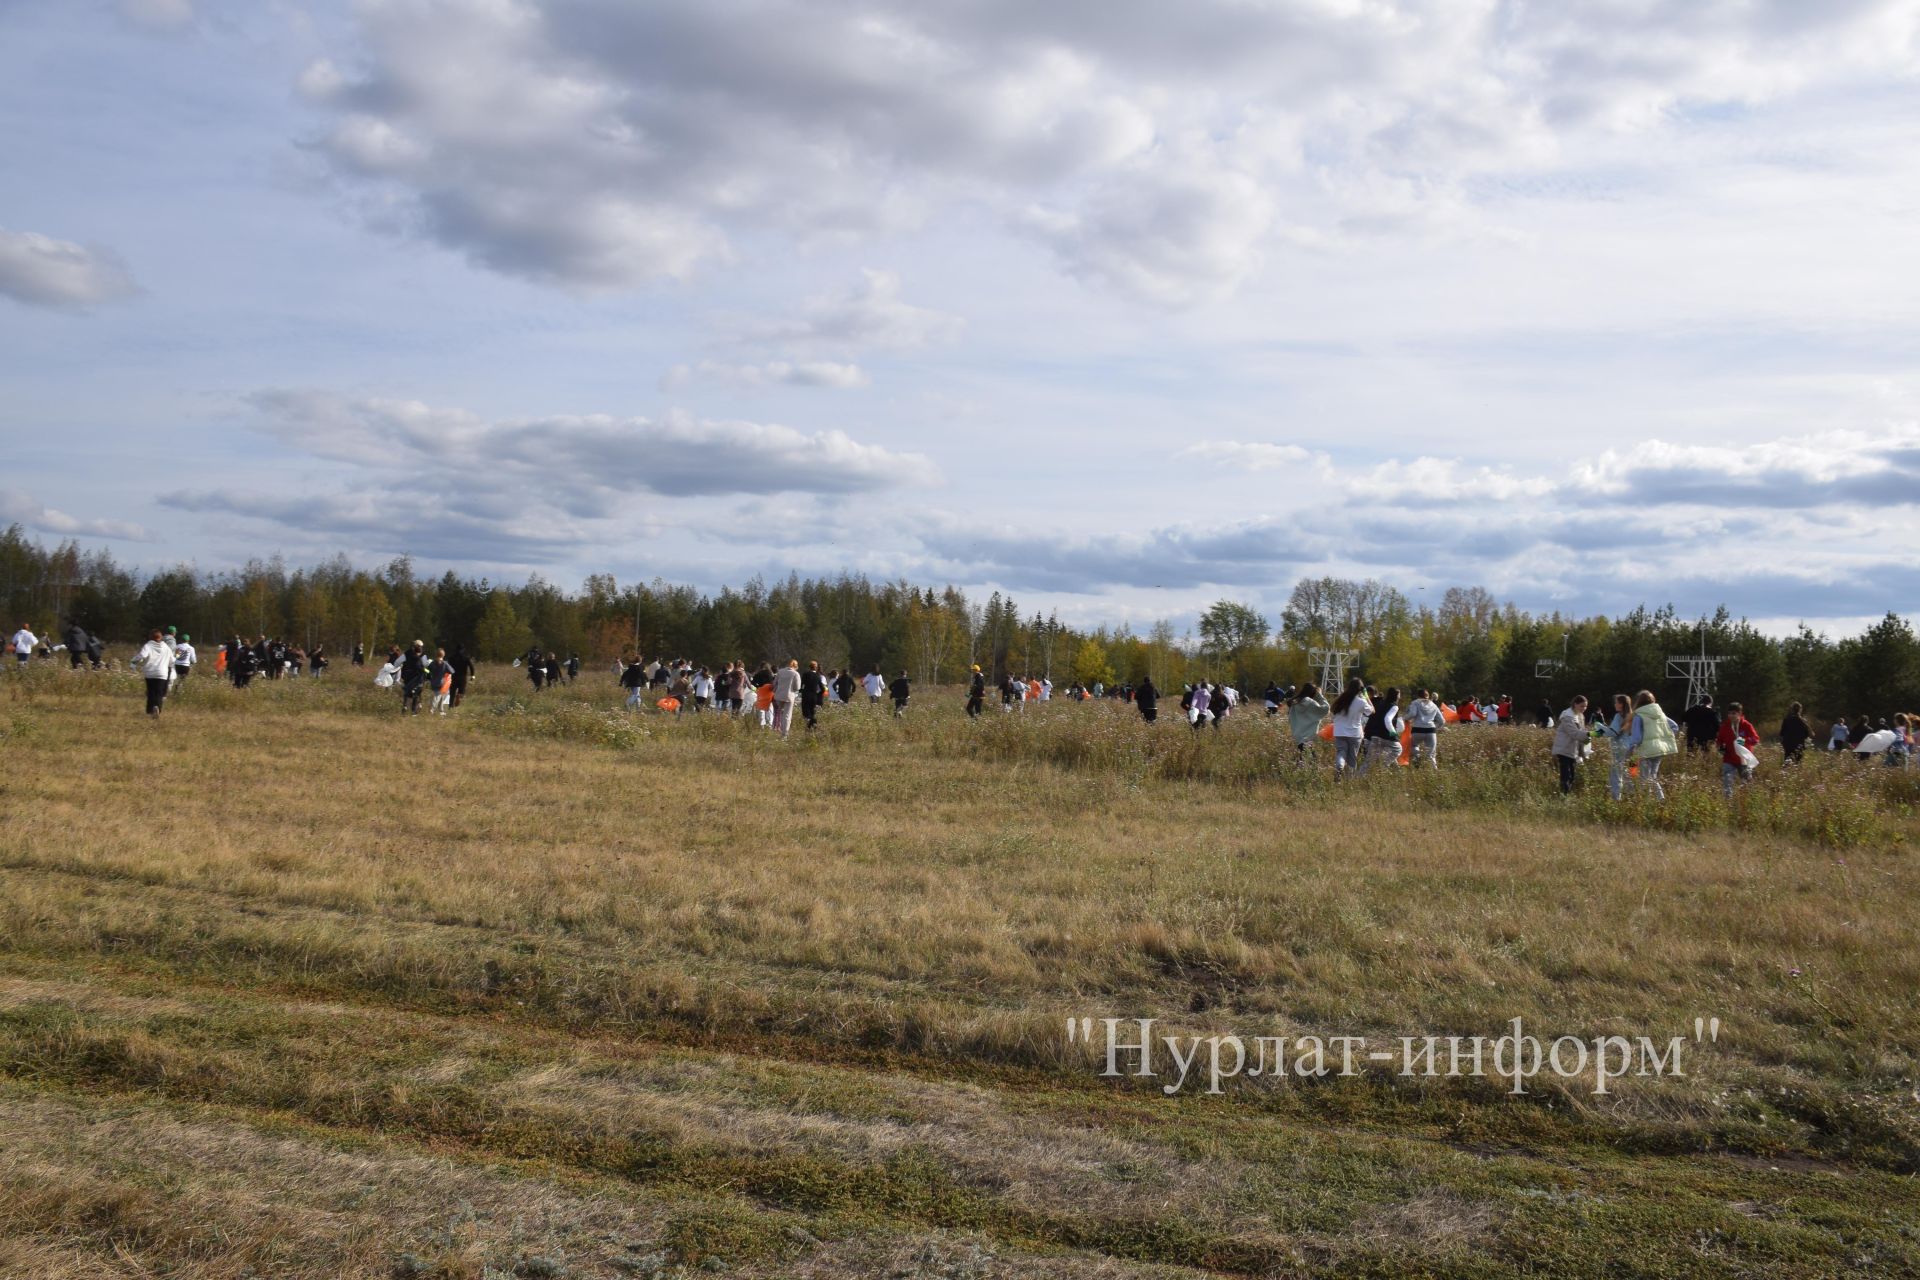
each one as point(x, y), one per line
point(1365, 726)
point(772, 694)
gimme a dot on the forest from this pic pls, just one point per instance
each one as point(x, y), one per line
point(1466, 642)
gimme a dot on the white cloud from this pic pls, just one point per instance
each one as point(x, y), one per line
point(871, 314)
point(44, 272)
point(585, 465)
point(1256, 455)
point(158, 15)
point(24, 509)
point(1156, 148)
point(806, 373)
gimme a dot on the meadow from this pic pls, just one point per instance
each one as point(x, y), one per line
point(293, 986)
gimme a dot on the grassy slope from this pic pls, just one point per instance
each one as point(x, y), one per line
point(546, 986)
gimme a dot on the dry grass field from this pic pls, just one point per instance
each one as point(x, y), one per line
point(291, 986)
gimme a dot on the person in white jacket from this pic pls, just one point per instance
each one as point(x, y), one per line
point(184, 656)
point(1350, 713)
point(786, 688)
point(155, 663)
point(22, 645)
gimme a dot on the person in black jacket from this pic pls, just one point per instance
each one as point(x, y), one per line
point(413, 678)
point(1703, 725)
point(901, 689)
point(1147, 698)
point(976, 693)
point(1795, 733)
point(462, 672)
point(76, 644)
point(844, 685)
point(813, 691)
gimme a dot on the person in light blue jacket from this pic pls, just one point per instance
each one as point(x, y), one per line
point(1616, 731)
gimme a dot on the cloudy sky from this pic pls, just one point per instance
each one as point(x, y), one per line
point(1119, 305)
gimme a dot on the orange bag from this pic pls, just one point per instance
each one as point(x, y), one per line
point(763, 699)
point(668, 704)
point(1449, 715)
point(1326, 733)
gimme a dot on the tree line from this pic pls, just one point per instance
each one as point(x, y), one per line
point(1467, 643)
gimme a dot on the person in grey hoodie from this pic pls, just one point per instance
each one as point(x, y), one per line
point(1305, 714)
point(1570, 741)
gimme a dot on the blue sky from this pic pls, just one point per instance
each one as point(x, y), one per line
point(1121, 307)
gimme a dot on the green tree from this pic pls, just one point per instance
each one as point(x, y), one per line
point(502, 634)
point(1090, 665)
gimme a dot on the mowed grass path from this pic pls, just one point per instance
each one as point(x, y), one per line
point(293, 985)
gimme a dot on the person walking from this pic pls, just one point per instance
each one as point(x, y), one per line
point(1570, 741)
point(633, 678)
point(1737, 739)
point(1426, 721)
point(1839, 738)
point(1305, 715)
point(1147, 699)
point(1652, 738)
point(1350, 712)
point(1616, 731)
point(1199, 700)
point(155, 664)
point(1703, 724)
point(1795, 733)
point(23, 643)
point(440, 680)
point(463, 671)
point(786, 689)
point(813, 692)
point(761, 683)
point(976, 692)
point(184, 656)
point(1383, 729)
point(413, 677)
point(844, 685)
point(901, 689)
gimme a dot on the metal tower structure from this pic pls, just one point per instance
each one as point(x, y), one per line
point(1698, 670)
point(1332, 665)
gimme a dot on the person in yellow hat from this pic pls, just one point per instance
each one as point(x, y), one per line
point(976, 692)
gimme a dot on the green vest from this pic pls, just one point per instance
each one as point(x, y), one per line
point(1656, 735)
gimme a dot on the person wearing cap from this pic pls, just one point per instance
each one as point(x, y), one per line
point(155, 663)
point(184, 656)
point(976, 692)
point(413, 677)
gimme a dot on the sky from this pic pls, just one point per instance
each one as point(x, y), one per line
point(1117, 306)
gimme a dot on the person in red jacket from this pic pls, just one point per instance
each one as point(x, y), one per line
point(1736, 731)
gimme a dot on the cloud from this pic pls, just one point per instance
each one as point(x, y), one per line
point(394, 520)
point(41, 271)
point(22, 508)
point(448, 483)
point(807, 373)
point(1156, 148)
point(1253, 552)
point(1797, 474)
point(158, 15)
point(1255, 455)
point(871, 314)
